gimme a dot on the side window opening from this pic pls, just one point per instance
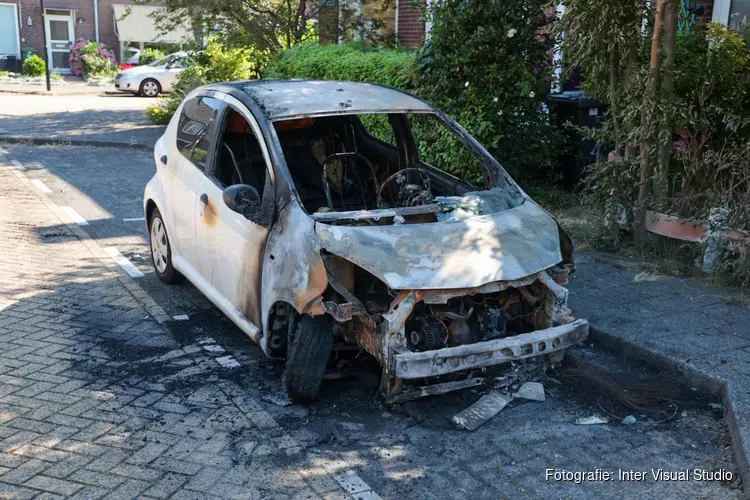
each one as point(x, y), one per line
point(240, 157)
point(196, 127)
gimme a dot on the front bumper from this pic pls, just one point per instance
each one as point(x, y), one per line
point(126, 86)
point(413, 365)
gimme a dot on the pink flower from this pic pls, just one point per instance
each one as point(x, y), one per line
point(683, 133)
point(611, 156)
point(680, 145)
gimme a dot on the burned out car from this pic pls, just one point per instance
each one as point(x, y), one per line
point(319, 216)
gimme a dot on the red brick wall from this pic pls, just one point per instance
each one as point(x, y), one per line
point(33, 35)
point(410, 26)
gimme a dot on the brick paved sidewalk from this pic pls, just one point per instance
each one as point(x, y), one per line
point(99, 400)
point(674, 322)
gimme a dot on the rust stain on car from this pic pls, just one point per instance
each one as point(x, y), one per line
point(209, 216)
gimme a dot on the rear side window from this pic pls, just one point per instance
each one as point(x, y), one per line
point(196, 128)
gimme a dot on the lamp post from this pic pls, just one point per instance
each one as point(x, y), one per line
point(46, 50)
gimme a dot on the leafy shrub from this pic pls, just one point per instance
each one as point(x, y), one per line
point(487, 64)
point(216, 63)
point(348, 61)
point(33, 66)
point(90, 59)
point(150, 55)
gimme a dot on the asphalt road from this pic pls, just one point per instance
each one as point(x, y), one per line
point(410, 450)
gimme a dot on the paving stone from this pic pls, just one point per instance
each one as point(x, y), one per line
point(53, 485)
point(166, 486)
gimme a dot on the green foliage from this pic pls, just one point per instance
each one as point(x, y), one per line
point(494, 49)
point(150, 55)
point(216, 63)
point(351, 61)
point(33, 66)
point(487, 64)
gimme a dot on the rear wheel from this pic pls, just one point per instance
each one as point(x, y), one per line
point(161, 250)
point(150, 88)
point(309, 348)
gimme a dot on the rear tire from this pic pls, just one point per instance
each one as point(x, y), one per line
point(161, 250)
point(308, 353)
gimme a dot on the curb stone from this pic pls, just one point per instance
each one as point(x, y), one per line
point(36, 141)
point(735, 399)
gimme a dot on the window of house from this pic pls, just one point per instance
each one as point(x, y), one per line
point(739, 14)
point(8, 31)
point(196, 129)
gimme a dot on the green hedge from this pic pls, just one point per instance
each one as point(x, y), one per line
point(349, 62)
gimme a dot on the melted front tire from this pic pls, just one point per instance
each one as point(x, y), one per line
point(309, 350)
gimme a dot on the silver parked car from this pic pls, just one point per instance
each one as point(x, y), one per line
point(317, 217)
point(154, 78)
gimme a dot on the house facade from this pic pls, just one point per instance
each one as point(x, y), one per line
point(23, 25)
point(411, 29)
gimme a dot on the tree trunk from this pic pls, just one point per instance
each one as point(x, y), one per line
point(649, 102)
point(667, 91)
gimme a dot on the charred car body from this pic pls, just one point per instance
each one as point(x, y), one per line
point(315, 215)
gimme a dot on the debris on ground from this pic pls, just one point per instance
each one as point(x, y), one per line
point(279, 400)
point(480, 412)
point(533, 391)
point(592, 420)
point(645, 276)
point(629, 420)
point(716, 406)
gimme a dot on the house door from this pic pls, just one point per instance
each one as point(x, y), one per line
point(60, 37)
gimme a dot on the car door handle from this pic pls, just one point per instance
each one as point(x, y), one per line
point(163, 159)
point(204, 199)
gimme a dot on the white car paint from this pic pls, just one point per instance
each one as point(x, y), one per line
point(200, 254)
point(139, 80)
point(134, 56)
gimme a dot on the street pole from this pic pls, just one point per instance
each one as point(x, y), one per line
point(46, 50)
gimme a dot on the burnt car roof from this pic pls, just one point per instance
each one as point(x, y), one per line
point(281, 99)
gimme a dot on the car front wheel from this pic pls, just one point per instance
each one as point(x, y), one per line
point(161, 251)
point(150, 88)
point(309, 347)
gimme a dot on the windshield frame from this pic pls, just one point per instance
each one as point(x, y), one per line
point(493, 173)
point(168, 59)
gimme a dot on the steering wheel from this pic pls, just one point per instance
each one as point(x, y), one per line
point(357, 156)
point(425, 180)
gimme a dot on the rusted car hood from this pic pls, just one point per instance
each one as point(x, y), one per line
point(467, 253)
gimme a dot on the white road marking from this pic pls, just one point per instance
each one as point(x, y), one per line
point(227, 361)
point(355, 486)
point(41, 186)
point(180, 317)
point(18, 164)
point(75, 216)
point(214, 348)
point(134, 219)
point(123, 262)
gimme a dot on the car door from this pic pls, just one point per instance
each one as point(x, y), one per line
point(195, 135)
point(231, 246)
